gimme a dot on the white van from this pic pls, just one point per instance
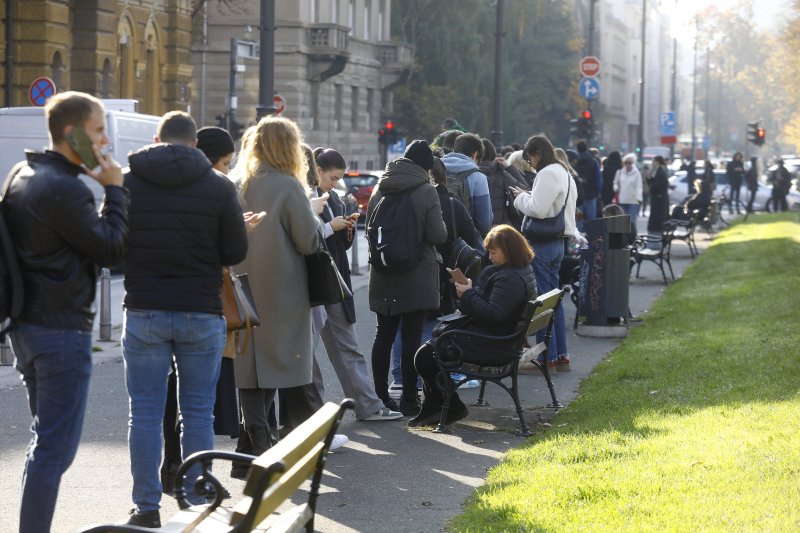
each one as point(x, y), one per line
point(24, 128)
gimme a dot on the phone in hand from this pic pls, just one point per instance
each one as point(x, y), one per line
point(79, 140)
point(353, 216)
point(457, 276)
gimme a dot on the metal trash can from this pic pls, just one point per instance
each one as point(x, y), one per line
point(605, 273)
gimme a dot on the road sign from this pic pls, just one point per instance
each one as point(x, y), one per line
point(590, 66)
point(41, 90)
point(280, 104)
point(590, 88)
point(395, 150)
point(666, 124)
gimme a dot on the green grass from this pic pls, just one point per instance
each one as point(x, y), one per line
point(691, 424)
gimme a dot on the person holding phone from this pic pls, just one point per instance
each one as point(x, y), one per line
point(60, 240)
point(495, 304)
point(338, 335)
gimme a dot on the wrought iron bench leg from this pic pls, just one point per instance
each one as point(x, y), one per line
point(524, 430)
point(555, 404)
point(481, 402)
point(448, 394)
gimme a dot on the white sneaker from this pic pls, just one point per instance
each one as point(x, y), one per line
point(338, 441)
point(395, 390)
point(384, 413)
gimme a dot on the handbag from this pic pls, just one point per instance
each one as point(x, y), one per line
point(238, 307)
point(449, 322)
point(540, 230)
point(326, 285)
point(460, 254)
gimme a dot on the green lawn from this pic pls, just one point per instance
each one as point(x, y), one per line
point(692, 424)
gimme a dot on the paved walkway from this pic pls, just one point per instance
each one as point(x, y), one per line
point(388, 478)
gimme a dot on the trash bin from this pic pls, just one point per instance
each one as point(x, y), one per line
point(605, 272)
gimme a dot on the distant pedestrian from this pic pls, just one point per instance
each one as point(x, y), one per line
point(60, 239)
point(628, 186)
point(186, 224)
point(659, 197)
point(781, 181)
point(735, 173)
point(588, 170)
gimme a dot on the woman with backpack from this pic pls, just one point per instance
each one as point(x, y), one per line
point(404, 224)
point(500, 180)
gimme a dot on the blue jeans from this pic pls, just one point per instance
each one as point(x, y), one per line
point(56, 365)
point(632, 210)
point(589, 208)
point(149, 341)
point(397, 352)
point(546, 263)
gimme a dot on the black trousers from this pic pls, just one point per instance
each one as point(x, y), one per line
point(301, 402)
point(411, 338)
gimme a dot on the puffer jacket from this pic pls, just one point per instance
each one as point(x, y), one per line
point(60, 239)
point(497, 299)
point(392, 294)
point(185, 224)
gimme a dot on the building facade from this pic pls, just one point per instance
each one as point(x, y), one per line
point(109, 48)
point(335, 69)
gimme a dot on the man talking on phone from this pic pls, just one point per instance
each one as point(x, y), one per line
point(60, 239)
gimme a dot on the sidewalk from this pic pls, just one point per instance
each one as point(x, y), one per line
point(388, 478)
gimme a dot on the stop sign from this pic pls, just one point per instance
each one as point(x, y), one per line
point(590, 66)
point(279, 103)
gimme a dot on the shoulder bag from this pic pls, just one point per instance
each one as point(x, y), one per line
point(326, 285)
point(541, 230)
point(455, 320)
point(238, 307)
point(460, 254)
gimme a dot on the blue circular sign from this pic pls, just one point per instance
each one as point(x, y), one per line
point(41, 90)
point(589, 87)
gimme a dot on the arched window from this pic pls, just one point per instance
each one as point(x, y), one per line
point(126, 54)
point(152, 82)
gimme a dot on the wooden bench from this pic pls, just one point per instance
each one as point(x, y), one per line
point(538, 315)
point(273, 477)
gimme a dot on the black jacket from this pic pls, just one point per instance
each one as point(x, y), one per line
point(186, 223)
point(587, 168)
point(497, 299)
point(337, 245)
point(500, 180)
point(60, 239)
point(453, 211)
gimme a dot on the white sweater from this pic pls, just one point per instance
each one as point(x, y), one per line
point(548, 195)
point(629, 186)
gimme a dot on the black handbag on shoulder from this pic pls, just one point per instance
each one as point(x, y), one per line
point(326, 286)
point(455, 320)
point(541, 230)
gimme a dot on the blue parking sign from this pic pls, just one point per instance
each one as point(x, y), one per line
point(666, 124)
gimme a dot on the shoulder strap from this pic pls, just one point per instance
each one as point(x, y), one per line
point(453, 217)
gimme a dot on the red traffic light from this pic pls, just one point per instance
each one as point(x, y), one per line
point(587, 114)
point(389, 125)
point(761, 133)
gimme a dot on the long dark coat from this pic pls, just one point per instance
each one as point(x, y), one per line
point(659, 200)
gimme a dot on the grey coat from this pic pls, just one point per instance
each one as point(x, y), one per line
point(280, 354)
point(416, 290)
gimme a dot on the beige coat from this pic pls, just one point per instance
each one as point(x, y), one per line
point(280, 355)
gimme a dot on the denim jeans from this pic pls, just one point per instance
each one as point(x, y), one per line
point(632, 210)
point(427, 333)
point(546, 264)
point(56, 365)
point(150, 339)
point(589, 208)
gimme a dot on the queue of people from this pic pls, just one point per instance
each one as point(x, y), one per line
point(178, 218)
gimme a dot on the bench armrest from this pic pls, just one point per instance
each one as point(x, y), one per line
point(454, 332)
point(206, 476)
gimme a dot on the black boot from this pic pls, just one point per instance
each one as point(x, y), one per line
point(457, 410)
point(429, 414)
point(243, 445)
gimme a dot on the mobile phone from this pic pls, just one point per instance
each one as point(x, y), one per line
point(354, 216)
point(82, 144)
point(457, 276)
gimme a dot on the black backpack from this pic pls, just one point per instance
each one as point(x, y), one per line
point(11, 286)
point(392, 234)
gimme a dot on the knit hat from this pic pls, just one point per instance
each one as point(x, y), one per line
point(420, 153)
point(214, 142)
point(571, 155)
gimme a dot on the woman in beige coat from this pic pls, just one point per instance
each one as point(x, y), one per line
point(271, 174)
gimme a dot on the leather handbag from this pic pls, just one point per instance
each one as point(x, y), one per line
point(326, 286)
point(541, 230)
point(460, 254)
point(238, 304)
point(455, 320)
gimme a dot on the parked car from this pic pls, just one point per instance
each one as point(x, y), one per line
point(678, 190)
point(360, 185)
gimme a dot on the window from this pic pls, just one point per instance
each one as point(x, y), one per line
point(335, 11)
point(58, 69)
point(354, 108)
point(314, 10)
point(367, 14)
point(351, 16)
point(337, 123)
point(381, 6)
point(370, 108)
point(105, 83)
point(314, 105)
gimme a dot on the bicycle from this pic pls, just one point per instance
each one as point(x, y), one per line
point(722, 201)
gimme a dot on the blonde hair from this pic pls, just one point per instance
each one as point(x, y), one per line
point(629, 157)
point(516, 159)
point(561, 155)
point(274, 143)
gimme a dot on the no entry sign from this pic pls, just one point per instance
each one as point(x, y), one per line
point(280, 104)
point(41, 90)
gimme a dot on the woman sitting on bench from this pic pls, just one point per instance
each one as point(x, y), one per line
point(494, 305)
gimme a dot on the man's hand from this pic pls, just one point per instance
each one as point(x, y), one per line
point(109, 173)
point(340, 223)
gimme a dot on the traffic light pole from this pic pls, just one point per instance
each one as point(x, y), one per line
point(232, 98)
point(266, 61)
point(497, 123)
